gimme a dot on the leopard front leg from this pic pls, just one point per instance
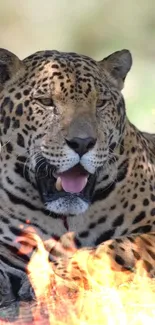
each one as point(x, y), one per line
point(112, 263)
point(124, 257)
point(131, 251)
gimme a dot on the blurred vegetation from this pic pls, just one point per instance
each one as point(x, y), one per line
point(95, 28)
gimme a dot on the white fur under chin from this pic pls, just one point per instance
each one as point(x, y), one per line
point(65, 206)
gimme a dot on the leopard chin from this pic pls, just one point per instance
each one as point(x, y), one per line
point(68, 205)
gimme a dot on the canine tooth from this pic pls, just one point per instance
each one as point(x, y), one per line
point(58, 184)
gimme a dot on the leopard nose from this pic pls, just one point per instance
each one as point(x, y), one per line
point(81, 145)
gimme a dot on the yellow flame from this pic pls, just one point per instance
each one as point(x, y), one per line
point(91, 293)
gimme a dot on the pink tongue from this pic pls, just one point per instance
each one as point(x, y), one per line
point(74, 180)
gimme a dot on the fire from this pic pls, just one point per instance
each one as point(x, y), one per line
point(90, 293)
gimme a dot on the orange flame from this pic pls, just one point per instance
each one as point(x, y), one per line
point(90, 293)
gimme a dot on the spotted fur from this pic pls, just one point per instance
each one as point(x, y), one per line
point(53, 96)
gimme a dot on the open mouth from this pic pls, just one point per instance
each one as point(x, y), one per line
point(75, 182)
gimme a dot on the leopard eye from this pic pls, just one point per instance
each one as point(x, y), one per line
point(101, 102)
point(46, 101)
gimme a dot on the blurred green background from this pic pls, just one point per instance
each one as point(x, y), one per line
point(95, 28)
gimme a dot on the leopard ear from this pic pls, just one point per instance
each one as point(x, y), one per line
point(9, 66)
point(117, 65)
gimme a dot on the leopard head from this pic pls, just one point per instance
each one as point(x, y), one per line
point(63, 114)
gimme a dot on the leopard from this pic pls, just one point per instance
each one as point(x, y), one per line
point(71, 160)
